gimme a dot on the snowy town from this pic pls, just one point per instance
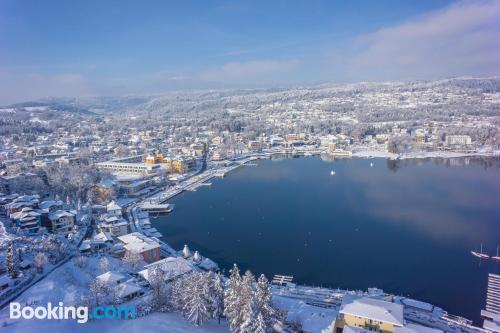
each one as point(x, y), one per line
point(78, 188)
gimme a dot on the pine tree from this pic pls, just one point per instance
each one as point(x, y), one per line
point(12, 261)
point(157, 288)
point(247, 302)
point(217, 297)
point(231, 298)
point(197, 303)
point(263, 297)
point(259, 324)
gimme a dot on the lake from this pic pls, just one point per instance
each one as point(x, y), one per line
point(404, 226)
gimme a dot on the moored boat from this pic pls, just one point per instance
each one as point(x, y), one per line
point(497, 257)
point(480, 254)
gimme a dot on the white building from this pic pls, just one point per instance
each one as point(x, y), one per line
point(172, 267)
point(458, 140)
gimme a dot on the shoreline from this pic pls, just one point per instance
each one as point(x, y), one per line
point(368, 153)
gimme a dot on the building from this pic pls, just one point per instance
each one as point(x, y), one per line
point(256, 145)
point(491, 314)
point(183, 164)
point(28, 219)
point(369, 314)
point(198, 149)
point(458, 140)
point(61, 221)
point(114, 225)
point(137, 243)
point(111, 278)
point(172, 267)
point(420, 136)
point(129, 167)
point(114, 209)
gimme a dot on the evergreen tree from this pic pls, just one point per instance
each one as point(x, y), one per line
point(259, 325)
point(197, 300)
point(231, 298)
point(217, 297)
point(263, 297)
point(12, 261)
point(157, 288)
point(247, 303)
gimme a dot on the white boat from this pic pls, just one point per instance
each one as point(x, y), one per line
point(371, 164)
point(480, 255)
point(497, 257)
point(332, 173)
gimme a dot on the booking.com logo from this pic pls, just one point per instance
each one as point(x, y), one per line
point(80, 313)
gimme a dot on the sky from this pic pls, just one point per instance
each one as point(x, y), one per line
point(92, 48)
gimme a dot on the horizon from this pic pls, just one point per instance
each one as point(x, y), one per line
point(91, 49)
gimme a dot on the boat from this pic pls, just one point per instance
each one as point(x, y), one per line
point(332, 173)
point(497, 257)
point(480, 255)
point(371, 164)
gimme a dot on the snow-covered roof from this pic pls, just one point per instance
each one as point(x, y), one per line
point(49, 203)
point(126, 289)
point(374, 309)
point(111, 277)
point(60, 213)
point(137, 243)
point(173, 267)
point(103, 237)
point(113, 206)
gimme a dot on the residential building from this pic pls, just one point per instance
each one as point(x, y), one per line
point(61, 221)
point(138, 243)
point(369, 313)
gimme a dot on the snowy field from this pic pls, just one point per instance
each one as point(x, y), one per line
point(156, 322)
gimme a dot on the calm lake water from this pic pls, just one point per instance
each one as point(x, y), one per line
point(406, 227)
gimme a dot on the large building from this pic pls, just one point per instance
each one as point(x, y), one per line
point(491, 314)
point(369, 314)
point(458, 140)
point(137, 243)
point(129, 167)
point(178, 164)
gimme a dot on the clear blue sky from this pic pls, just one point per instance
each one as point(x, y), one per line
point(126, 47)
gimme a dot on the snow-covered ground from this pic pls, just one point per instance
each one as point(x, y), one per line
point(68, 283)
point(156, 322)
point(313, 319)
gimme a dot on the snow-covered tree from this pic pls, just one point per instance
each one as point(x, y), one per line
point(247, 302)
point(157, 287)
point(80, 261)
point(263, 297)
point(104, 265)
point(217, 296)
point(40, 261)
point(232, 300)
point(259, 324)
point(196, 298)
point(97, 291)
point(134, 260)
point(12, 261)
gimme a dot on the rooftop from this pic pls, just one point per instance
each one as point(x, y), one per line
point(374, 309)
point(137, 243)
